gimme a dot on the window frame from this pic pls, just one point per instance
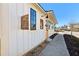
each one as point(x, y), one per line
point(32, 19)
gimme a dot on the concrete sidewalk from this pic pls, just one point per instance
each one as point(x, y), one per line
point(56, 47)
point(76, 34)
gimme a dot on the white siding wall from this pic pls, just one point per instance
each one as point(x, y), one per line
point(15, 41)
point(4, 35)
point(51, 30)
point(0, 22)
point(0, 30)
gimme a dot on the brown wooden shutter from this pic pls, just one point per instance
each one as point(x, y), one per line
point(25, 22)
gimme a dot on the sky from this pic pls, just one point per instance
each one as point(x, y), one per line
point(65, 12)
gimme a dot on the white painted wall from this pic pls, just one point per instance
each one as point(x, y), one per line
point(51, 30)
point(0, 30)
point(15, 41)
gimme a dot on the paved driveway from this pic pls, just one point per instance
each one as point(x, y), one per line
point(56, 47)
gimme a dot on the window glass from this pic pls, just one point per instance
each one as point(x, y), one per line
point(32, 19)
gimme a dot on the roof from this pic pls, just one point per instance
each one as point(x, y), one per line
point(51, 16)
point(50, 13)
point(38, 6)
point(74, 24)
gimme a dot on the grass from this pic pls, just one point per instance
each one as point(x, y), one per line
point(72, 43)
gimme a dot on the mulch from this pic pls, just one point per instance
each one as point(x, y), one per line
point(72, 44)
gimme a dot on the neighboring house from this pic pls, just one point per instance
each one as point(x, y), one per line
point(22, 27)
point(74, 27)
point(65, 28)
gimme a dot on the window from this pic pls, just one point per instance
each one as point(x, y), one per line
point(24, 22)
point(32, 19)
point(41, 24)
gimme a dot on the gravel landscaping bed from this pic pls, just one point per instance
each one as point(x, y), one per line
point(72, 44)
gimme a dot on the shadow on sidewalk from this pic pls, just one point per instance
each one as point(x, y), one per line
point(52, 36)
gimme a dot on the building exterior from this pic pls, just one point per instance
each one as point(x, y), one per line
point(51, 21)
point(65, 28)
point(74, 27)
point(22, 27)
